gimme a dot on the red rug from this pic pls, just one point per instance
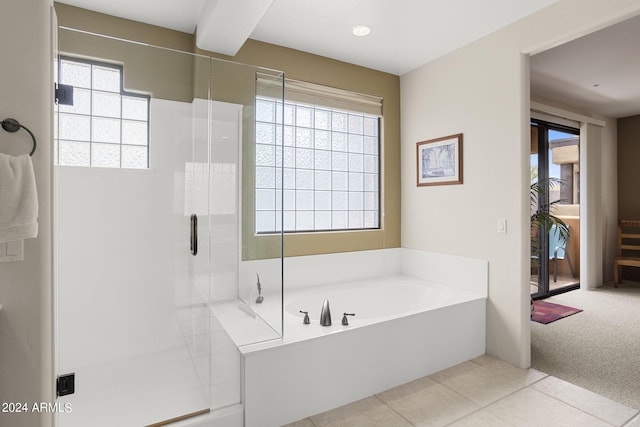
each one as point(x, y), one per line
point(547, 312)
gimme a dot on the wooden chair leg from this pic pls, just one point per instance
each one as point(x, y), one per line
point(616, 274)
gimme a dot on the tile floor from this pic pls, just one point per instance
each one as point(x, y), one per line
point(483, 392)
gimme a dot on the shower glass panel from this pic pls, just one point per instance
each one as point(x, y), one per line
point(132, 168)
point(247, 268)
point(160, 277)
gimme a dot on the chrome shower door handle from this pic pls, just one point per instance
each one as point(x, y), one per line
point(194, 234)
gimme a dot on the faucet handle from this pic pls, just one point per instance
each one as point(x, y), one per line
point(345, 321)
point(306, 320)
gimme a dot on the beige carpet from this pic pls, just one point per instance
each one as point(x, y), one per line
point(598, 349)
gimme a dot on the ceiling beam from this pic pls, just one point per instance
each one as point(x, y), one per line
point(225, 25)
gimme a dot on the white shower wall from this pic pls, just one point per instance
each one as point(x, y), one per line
point(127, 285)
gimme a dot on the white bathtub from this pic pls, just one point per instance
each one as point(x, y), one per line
point(404, 328)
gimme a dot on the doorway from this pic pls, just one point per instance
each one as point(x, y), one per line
point(555, 183)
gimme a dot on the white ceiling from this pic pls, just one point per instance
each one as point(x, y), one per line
point(405, 33)
point(599, 72)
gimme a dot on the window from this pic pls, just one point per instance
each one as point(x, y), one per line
point(330, 168)
point(106, 126)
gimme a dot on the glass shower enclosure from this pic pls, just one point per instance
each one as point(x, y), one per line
point(153, 185)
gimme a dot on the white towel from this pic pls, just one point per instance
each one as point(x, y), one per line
point(18, 198)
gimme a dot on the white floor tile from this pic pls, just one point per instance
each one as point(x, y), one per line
point(529, 407)
point(592, 403)
point(426, 402)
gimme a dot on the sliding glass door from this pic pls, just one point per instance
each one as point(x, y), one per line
point(555, 184)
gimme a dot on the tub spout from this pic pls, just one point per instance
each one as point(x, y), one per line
point(325, 314)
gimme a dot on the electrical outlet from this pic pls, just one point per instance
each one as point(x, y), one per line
point(12, 251)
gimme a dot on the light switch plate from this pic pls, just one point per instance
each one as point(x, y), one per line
point(12, 251)
point(502, 225)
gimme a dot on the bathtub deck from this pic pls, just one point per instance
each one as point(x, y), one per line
point(262, 332)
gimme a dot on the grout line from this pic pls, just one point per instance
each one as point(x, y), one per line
point(393, 410)
point(583, 410)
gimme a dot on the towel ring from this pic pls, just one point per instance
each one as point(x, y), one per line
point(12, 125)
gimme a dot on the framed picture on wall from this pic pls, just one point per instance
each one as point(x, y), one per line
point(439, 161)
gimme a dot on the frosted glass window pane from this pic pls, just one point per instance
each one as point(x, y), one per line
point(265, 200)
point(304, 200)
point(356, 182)
point(106, 104)
point(323, 200)
point(323, 180)
point(370, 145)
point(323, 119)
point(278, 178)
point(81, 102)
point(289, 136)
point(73, 153)
point(371, 126)
point(265, 155)
point(107, 79)
point(304, 220)
point(339, 181)
point(340, 200)
point(265, 177)
point(356, 201)
point(265, 221)
point(304, 179)
point(323, 220)
point(134, 133)
point(322, 140)
point(289, 157)
point(289, 178)
point(289, 221)
point(289, 114)
point(323, 160)
point(105, 130)
point(339, 141)
point(265, 110)
point(371, 164)
point(135, 108)
point(356, 144)
point(265, 133)
point(289, 200)
point(75, 74)
point(105, 155)
point(356, 219)
point(339, 161)
point(356, 162)
point(370, 219)
point(339, 220)
point(304, 116)
point(304, 138)
point(134, 157)
point(356, 124)
point(339, 121)
point(370, 182)
point(77, 128)
point(370, 201)
point(304, 158)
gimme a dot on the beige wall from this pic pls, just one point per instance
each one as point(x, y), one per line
point(296, 65)
point(482, 90)
point(26, 330)
point(628, 171)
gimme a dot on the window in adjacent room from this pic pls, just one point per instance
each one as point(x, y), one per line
point(331, 164)
point(106, 126)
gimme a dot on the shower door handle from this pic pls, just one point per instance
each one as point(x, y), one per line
point(194, 234)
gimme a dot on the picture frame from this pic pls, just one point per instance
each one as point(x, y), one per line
point(439, 161)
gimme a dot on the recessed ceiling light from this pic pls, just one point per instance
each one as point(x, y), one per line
point(361, 30)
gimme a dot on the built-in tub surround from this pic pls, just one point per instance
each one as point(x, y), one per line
point(415, 313)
